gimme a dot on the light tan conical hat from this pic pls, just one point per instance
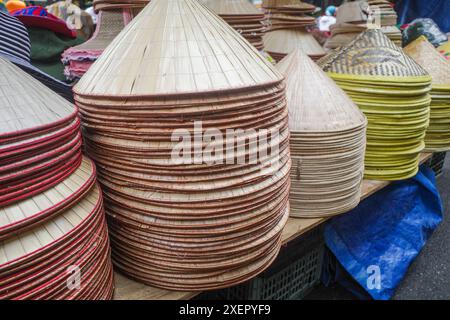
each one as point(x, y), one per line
point(26, 105)
point(286, 41)
point(331, 110)
point(176, 47)
point(232, 7)
point(373, 56)
point(425, 54)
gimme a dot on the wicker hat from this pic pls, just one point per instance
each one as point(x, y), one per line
point(393, 92)
point(166, 62)
point(51, 212)
point(327, 141)
point(425, 54)
point(243, 16)
point(280, 43)
point(223, 217)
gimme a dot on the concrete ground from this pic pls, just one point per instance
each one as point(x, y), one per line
point(428, 277)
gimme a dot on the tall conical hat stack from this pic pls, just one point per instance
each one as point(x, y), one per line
point(243, 16)
point(288, 14)
point(180, 217)
point(287, 31)
point(388, 16)
point(425, 54)
point(113, 16)
point(351, 20)
point(327, 141)
point(52, 225)
point(393, 92)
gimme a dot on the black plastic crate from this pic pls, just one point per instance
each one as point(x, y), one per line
point(437, 162)
point(293, 274)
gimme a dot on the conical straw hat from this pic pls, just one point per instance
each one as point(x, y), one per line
point(331, 110)
point(176, 47)
point(373, 56)
point(28, 106)
point(232, 7)
point(425, 54)
point(282, 42)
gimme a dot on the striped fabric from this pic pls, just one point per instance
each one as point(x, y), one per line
point(14, 39)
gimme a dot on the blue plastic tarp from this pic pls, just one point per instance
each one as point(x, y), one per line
point(377, 241)
point(438, 10)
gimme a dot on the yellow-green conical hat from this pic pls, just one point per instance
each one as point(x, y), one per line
point(372, 55)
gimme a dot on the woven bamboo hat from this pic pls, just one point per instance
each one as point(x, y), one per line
point(34, 262)
point(280, 43)
point(393, 92)
point(154, 64)
point(159, 77)
point(327, 141)
point(113, 16)
point(424, 53)
point(39, 135)
point(44, 195)
point(243, 16)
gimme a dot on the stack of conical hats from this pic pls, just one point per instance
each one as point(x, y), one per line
point(393, 92)
point(280, 43)
point(351, 20)
point(327, 141)
point(182, 217)
point(388, 16)
point(243, 16)
point(287, 31)
point(288, 14)
point(113, 16)
point(425, 54)
point(52, 226)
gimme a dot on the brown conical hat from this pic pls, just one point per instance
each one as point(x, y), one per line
point(331, 110)
point(27, 105)
point(373, 54)
point(232, 7)
point(176, 47)
point(425, 54)
point(286, 41)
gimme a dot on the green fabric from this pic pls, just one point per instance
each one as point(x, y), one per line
point(46, 50)
point(3, 8)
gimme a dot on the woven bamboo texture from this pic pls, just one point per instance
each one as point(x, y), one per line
point(51, 214)
point(192, 225)
point(243, 16)
point(423, 52)
point(327, 141)
point(393, 92)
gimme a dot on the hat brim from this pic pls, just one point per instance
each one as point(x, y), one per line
point(46, 23)
point(59, 87)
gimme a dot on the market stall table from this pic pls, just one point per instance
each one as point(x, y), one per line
point(127, 289)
